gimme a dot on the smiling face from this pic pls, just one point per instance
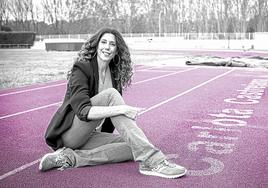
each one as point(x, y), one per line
point(106, 48)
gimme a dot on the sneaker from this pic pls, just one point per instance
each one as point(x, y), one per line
point(165, 169)
point(56, 159)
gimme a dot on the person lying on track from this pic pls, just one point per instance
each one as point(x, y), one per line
point(226, 63)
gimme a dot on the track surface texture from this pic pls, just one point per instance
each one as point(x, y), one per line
point(212, 120)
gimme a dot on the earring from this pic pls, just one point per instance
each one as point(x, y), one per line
point(94, 54)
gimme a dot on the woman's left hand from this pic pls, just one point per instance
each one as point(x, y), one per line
point(132, 112)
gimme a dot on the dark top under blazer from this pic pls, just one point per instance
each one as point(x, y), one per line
point(82, 85)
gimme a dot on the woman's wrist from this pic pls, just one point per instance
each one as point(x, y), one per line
point(121, 109)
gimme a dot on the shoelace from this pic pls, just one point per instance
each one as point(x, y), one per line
point(63, 161)
point(163, 164)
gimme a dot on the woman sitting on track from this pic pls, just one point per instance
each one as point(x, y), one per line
point(81, 129)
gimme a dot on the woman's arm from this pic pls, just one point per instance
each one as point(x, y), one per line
point(100, 112)
point(79, 90)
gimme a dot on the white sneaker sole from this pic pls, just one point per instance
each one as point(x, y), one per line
point(151, 173)
point(47, 155)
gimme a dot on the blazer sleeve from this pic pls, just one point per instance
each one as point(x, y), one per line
point(79, 91)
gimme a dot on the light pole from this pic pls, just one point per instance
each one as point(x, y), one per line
point(159, 22)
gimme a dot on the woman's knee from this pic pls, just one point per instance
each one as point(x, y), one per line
point(111, 91)
point(114, 97)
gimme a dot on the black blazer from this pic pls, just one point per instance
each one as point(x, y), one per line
point(82, 85)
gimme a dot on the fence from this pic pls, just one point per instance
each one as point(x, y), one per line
point(185, 36)
point(15, 45)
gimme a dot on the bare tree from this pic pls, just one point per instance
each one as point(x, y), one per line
point(69, 13)
point(15, 10)
point(261, 14)
point(181, 15)
point(171, 22)
point(4, 14)
point(82, 16)
point(54, 13)
point(129, 11)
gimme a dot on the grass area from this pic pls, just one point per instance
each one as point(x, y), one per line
point(25, 67)
point(20, 67)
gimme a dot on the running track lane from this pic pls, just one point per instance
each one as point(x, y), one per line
point(30, 88)
point(159, 139)
point(241, 165)
point(35, 121)
point(36, 97)
point(34, 116)
point(29, 126)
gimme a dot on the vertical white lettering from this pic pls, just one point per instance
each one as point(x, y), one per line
point(212, 147)
point(235, 101)
point(215, 166)
point(237, 111)
point(223, 129)
point(228, 116)
point(229, 122)
point(206, 134)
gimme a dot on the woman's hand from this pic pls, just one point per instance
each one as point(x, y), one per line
point(100, 112)
point(131, 112)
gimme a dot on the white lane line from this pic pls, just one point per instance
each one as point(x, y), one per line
point(143, 112)
point(158, 77)
point(36, 84)
point(30, 110)
point(185, 92)
point(256, 127)
point(158, 67)
point(144, 68)
point(23, 167)
point(57, 103)
point(157, 71)
point(33, 89)
point(56, 85)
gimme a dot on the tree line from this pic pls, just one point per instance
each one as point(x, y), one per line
point(135, 16)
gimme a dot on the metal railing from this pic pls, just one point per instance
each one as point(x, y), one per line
point(185, 36)
point(15, 45)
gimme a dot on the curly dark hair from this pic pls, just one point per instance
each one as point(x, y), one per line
point(120, 65)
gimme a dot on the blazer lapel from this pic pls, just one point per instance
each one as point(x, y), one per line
point(95, 74)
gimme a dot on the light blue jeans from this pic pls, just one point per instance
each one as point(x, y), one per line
point(86, 146)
